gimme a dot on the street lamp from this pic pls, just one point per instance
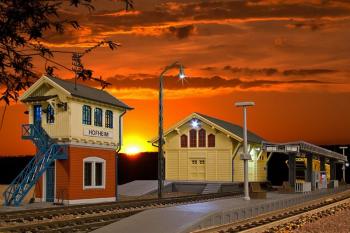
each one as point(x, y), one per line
point(344, 148)
point(245, 156)
point(182, 76)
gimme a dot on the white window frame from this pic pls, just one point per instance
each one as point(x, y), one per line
point(95, 160)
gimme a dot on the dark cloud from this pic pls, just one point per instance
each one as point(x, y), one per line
point(110, 20)
point(303, 72)
point(251, 71)
point(209, 68)
point(182, 32)
point(312, 25)
point(173, 83)
point(273, 71)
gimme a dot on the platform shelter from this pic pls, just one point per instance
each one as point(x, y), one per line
point(301, 149)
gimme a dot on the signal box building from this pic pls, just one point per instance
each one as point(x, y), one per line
point(204, 148)
point(77, 130)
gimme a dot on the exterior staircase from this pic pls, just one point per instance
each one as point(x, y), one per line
point(211, 188)
point(47, 152)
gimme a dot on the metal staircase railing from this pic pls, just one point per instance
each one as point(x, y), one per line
point(47, 152)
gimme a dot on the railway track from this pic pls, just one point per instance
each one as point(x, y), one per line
point(85, 218)
point(285, 219)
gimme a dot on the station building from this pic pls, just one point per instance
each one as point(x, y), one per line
point(204, 148)
point(77, 130)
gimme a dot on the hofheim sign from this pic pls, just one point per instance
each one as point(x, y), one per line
point(98, 133)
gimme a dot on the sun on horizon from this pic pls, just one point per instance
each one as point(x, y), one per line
point(135, 144)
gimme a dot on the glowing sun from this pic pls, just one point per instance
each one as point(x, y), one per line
point(132, 150)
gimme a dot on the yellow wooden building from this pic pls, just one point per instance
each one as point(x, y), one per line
point(203, 148)
point(69, 111)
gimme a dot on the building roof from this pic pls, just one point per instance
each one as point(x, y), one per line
point(87, 92)
point(229, 128)
point(233, 128)
point(301, 146)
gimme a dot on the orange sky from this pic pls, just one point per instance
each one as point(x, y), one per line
point(291, 58)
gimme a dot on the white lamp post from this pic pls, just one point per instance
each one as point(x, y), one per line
point(343, 148)
point(160, 124)
point(245, 156)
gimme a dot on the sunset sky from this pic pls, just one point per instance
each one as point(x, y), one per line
point(291, 57)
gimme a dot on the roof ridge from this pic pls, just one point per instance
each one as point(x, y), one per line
point(203, 115)
point(228, 124)
point(78, 84)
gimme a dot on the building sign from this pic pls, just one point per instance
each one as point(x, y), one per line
point(282, 148)
point(98, 133)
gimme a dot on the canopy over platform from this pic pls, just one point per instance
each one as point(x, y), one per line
point(302, 147)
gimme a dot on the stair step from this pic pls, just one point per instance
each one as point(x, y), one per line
point(47, 152)
point(211, 188)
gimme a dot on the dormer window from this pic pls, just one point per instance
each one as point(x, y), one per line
point(109, 119)
point(184, 140)
point(211, 140)
point(201, 138)
point(98, 117)
point(86, 115)
point(50, 114)
point(193, 138)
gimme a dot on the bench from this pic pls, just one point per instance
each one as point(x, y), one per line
point(256, 192)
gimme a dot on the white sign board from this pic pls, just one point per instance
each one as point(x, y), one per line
point(98, 133)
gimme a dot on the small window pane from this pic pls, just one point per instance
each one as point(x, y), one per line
point(98, 117)
point(98, 174)
point(193, 138)
point(86, 115)
point(109, 119)
point(211, 140)
point(50, 114)
point(201, 138)
point(87, 174)
point(183, 140)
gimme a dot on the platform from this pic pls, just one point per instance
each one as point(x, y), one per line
point(140, 187)
point(186, 218)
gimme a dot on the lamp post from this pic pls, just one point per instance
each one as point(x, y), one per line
point(245, 156)
point(343, 168)
point(160, 124)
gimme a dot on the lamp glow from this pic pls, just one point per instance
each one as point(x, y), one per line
point(195, 123)
point(182, 72)
point(347, 164)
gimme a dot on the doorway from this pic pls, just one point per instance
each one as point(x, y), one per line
point(50, 183)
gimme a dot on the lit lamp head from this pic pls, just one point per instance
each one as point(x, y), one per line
point(195, 124)
point(181, 72)
point(347, 164)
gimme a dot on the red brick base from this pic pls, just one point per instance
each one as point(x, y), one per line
point(69, 177)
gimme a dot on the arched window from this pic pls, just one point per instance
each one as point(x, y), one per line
point(193, 138)
point(50, 114)
point(86, 115)
point(201, 138)
point(211, 140)
point(109, 119)
point(98, 117)
point(184, 140)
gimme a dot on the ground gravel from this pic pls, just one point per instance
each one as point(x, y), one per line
point(337, 223)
